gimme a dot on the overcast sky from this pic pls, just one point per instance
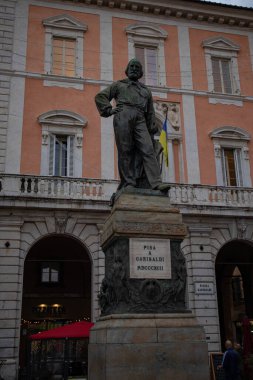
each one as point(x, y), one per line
point(241, 3)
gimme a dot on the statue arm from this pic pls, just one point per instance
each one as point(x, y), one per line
point(102, 100)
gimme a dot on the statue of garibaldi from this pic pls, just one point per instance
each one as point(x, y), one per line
point(134, 128)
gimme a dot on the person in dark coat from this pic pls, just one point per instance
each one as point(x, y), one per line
point(230, 362)
point(239, 351)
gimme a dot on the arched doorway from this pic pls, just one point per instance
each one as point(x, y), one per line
point(56, 287)
point(234, 279)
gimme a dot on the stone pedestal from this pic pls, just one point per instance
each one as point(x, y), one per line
point(145, 331)
point(148, 347)
point(144, 266)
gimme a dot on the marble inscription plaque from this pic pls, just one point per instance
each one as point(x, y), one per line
point(150, 258)
point(204, 288)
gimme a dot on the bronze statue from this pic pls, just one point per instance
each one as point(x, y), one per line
point(134, 128)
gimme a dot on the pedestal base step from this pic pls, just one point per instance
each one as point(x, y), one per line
point(148, 347)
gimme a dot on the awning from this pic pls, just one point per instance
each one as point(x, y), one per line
point(73, 330)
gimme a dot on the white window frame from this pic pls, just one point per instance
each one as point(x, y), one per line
point(150, 36)
point(50, 266)
point(70, 154)
point(223, 48)
point(237, 162)
point(237, 139)
point(64, 26)
point(60, 122)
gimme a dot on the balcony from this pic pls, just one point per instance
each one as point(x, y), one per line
point(27, 189)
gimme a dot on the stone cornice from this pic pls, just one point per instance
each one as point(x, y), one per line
point(181, 9)
point(164, 90)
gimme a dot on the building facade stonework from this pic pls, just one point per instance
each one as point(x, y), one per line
point(58, 163)
point(7, 16)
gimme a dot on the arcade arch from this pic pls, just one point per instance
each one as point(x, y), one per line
point(56, 286)
point(234, 280)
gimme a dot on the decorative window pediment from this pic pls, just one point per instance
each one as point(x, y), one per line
point(233, 133)
point(220, 43)
point(222, 66)
point(65, 22)
point(62, 117)
point(147, 31)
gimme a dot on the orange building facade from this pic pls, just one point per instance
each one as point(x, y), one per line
point(58, 159)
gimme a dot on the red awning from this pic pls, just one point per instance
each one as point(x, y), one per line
point(72, 330)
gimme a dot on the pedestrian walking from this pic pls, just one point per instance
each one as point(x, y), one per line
point(230, 362)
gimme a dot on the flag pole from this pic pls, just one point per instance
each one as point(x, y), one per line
point(161, 166)
point(166, 118)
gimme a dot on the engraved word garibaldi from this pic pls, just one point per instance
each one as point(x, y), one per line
point(134, 127)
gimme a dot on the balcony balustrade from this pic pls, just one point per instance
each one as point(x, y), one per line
point(38, 187)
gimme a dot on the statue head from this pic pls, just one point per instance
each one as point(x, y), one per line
point(134, 69)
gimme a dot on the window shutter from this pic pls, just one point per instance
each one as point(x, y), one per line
point(64, 56)
point(216, 74)
point(224, 168)
point(63, 155)
point(151, 55)
point(51, 154)
point(57, 52)
point(238, 167)
point(225, 64)
point(71, 155)
point(45, 273)
point(148, 58)
point(139, 53)
point(70, 57)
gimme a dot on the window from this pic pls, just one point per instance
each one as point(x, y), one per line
point(221, 75)
point(237, 289)
point(148, 58)
point(231, 163)
point(63, 60)
point(50, 273)
point(231, 156)
point(146, 43)
point(61, 155)
point(222, 66)
point(64, 42)
point(62, 141)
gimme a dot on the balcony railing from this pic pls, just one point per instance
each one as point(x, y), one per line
point(56, 187)
point(24, 186)
point(204, 195)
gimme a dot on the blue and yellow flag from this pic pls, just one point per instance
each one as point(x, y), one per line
point(163, 142)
